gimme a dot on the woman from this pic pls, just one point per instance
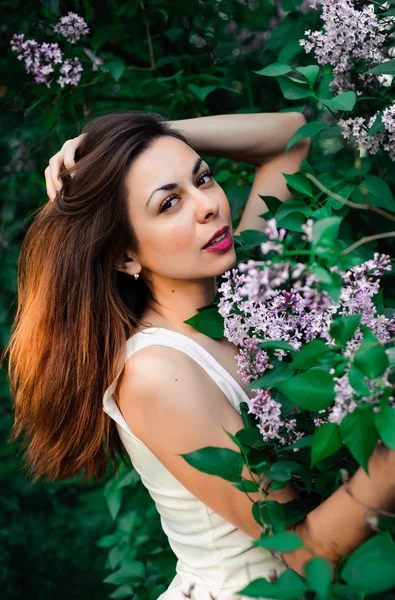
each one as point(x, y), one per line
point(109, 273)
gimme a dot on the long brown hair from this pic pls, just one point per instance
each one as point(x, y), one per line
point(75, 309)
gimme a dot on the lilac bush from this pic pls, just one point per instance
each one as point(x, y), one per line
point(279, 299)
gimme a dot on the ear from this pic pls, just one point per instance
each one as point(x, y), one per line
point(128, 263)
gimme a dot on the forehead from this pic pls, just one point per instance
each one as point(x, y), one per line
point(167, 160)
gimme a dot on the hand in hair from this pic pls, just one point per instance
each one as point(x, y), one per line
point(65, 157)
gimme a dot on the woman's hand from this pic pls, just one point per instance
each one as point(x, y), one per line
point(65, 157)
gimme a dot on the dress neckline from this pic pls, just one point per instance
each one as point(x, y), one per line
point(224, 372)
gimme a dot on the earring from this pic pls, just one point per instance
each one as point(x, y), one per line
point(136, 275)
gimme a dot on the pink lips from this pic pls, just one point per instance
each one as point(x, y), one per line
point(224, 244)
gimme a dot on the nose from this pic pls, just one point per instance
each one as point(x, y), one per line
point(206, 205)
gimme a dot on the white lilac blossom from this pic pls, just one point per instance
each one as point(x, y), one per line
point(72, 27)
point(358, 127)
point(39, 59)
point(350, 35)
point(262, 300)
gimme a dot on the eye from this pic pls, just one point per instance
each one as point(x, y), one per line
point(207, 173)
point(171, 197)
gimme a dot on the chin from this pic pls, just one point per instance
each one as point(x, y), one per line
point(228, 262)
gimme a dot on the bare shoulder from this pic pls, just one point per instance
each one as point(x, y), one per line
point(160, 378)
point(174, 407)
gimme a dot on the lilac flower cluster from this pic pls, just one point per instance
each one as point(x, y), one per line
point(262, 300)
point(350, 36)
point(69, 72)
point(72, 27)
point(358, 127)
point(40, 58)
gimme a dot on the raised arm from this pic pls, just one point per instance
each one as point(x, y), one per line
point(259, 139)
point(181, 410)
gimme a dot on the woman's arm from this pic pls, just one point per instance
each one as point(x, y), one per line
point(259, 139)
point(179, 411)
point(339, 525)
point(251, 138)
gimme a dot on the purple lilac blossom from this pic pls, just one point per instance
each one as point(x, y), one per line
point(70, 72)
point(39, 59)
point(256, 308)
point(349, 36)
point(72, 27)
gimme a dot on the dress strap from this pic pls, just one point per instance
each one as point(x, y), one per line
point(159, 336)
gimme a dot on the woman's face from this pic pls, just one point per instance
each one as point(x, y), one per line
point(173, 225)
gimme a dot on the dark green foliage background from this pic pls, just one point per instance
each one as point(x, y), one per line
point(60, 539)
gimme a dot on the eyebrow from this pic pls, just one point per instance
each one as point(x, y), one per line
point(172, 186)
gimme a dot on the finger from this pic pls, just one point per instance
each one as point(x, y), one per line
point(51, 190)
point(55, 163)
point(69, 149)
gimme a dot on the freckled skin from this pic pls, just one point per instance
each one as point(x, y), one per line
point(171, 242)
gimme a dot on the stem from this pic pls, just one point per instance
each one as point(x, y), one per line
point(339, 198)
point(366, 240)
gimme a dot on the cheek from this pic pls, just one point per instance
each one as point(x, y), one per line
point(179, 238)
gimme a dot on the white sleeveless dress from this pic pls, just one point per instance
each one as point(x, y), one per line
point(213, 554)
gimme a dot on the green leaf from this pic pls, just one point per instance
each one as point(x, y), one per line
point(116, 69)
point(294, 90)
point(252, 238)
point(318, 573)
point(292, 206)
point(378, 192)
point(312, 390)
point(343, 328)
point(309, 130)
point(371, 359)
point(385, 424)
point(326, 441)
point(310, 73)
point(289, 586)
point(223, 462)
point(385, 68)
point(292, 221)
point(360, 435)
point(310, 353)
point(113, 496)
point(202, 92)
point(271, 378)
point(209, 322)
point(357, 381)
point(343, 101)
point(124, 591)
point(286, 541)
point(274, 70)
point(371, 567)
point(330, 281)
point(133, 571)
point(325, 231)
point(276, 344)
point(246, 486)
point(272, 203)
point(249, 436)
point(299, 183)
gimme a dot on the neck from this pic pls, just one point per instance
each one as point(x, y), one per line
point(176, 300)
